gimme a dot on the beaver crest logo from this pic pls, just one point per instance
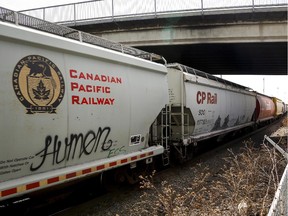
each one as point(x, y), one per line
point(38, 84)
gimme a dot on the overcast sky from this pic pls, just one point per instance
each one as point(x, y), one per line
point(272, 85)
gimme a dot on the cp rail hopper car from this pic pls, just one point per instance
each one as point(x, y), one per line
point(202, 106)
point(75, 105)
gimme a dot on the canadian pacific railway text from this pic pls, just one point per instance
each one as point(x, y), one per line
point(96, 92)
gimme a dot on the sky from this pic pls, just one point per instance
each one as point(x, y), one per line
point(272, 85)
point(276, 85)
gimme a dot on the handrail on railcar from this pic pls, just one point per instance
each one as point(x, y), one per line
point(199, 73)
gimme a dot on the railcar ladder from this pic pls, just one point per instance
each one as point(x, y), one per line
point(181, 119)
point(165, 134)
point(185, 122)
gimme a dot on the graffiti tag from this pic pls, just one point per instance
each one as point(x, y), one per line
point(74, 146)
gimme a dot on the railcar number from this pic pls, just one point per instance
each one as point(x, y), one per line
point(201, 112)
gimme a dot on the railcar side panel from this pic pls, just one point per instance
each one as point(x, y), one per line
point(284, 107)
point(209, 106)
point(215, 108)
point(265, 108)
point(64, 104)
point(279, 107)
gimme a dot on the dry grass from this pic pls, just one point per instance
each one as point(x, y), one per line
point(285, 122)
point(245, 186)
point(250, 179)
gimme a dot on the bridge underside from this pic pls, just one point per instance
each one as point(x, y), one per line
point(229, 43)
point(236, 58)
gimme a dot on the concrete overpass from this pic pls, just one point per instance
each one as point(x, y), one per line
point(229, 40)
point(242, 43)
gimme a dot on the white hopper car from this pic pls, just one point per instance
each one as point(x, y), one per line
point(69, 109)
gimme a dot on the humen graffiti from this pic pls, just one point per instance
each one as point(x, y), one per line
point(74, 146)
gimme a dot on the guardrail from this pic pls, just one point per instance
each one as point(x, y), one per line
point(279, 205)
point(113, 10)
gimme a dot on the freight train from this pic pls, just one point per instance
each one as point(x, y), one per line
point(75, 105)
